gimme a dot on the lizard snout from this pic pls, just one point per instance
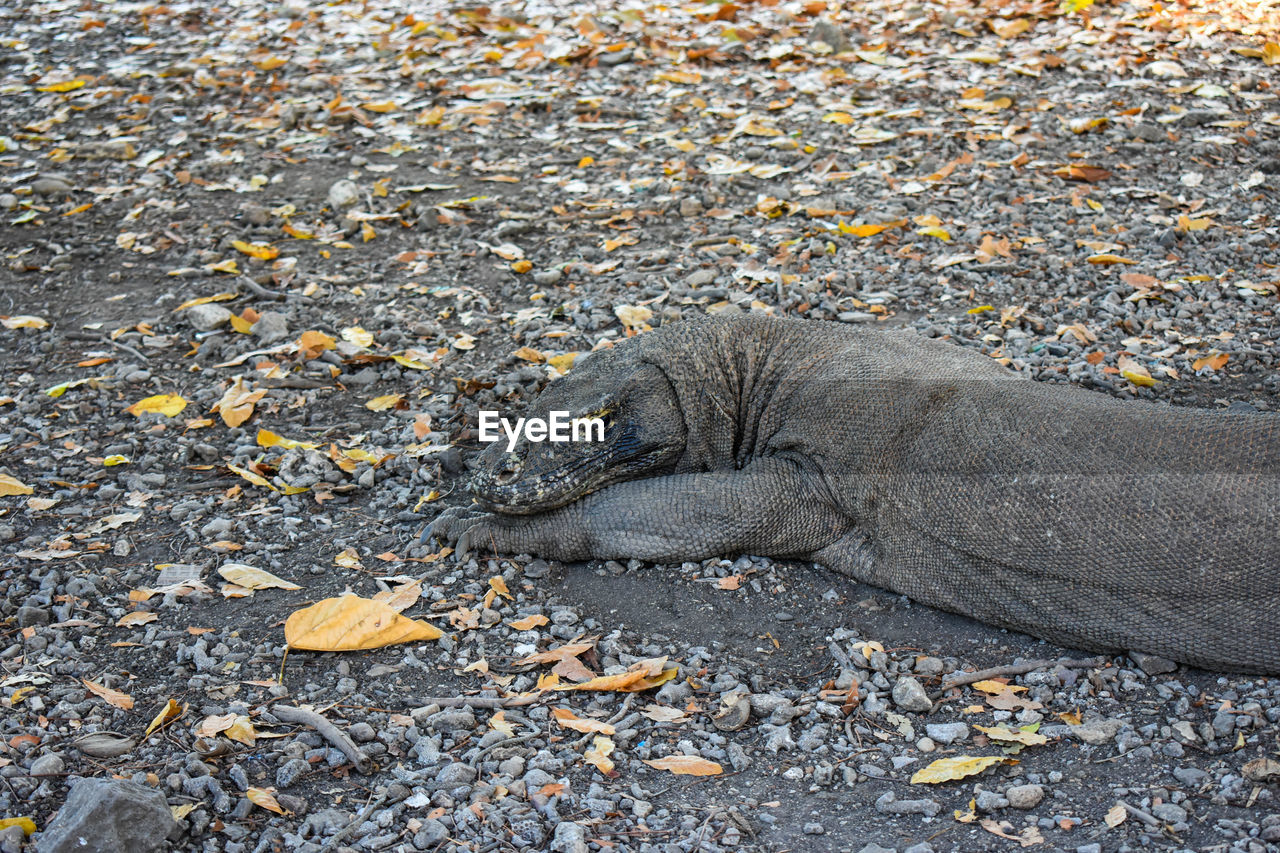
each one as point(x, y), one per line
point(510, 470)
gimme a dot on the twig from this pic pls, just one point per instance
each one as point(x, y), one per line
point(364, 813)
point(511, 741)
point(103, 339)
point(1016, 669)
point(1145, 817)
point(270, 295)
point(328, 731)
point(622, 712)
point(479, 701)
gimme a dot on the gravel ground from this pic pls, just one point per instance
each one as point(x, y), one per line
point(408, 214)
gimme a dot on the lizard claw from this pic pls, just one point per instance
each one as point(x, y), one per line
point(455, 526)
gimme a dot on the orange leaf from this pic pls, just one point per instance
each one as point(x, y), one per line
point(686, 765)
point(115, 698)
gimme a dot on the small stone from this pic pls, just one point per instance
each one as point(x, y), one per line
point(569, 838)
point(909, 695)
point(1097, 732)
point(829, 34)
point(947, 733)
point(536, 569)
point(207, 317)
point(8, 201)
point(51, 185)
point(1024, 796)
point(106, 816)
point(814, 828)
point(343, 194)
point(271, 327)
point(47, 765)
point(1169, 813)
point(29, 617)
point(690, 207)
point(990, 801)
point(1153, 664)
point(547, 277)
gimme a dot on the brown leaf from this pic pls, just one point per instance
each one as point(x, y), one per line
point(686, 765)
point(115, 698)
point(349, 623)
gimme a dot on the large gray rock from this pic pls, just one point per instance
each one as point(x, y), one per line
point(108, 816)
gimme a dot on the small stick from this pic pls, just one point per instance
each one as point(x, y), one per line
point(1017, 669)
point(103, 339)
point(360, 818)
point(622, 712)
point(511, 741)
point(1148, 819)
point(328, 731)
point(479, 701)
point(270, 295)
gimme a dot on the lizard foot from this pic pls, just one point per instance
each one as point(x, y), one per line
point(461, 527)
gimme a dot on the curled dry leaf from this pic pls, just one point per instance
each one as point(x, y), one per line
point(114, 698)
point(253, 578)
point(104, 744)
point(171, 711)
point(568, 720)
point(265, 797)
point(349, 623)
point(686, 765)
point(528, 623)
point(598, 754)
point(1027, 737)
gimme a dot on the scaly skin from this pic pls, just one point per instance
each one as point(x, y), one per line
point(915, 466)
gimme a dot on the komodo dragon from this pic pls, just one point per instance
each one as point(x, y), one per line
point(911, 465)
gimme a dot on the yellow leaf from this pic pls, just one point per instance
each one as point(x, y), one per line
point(9, 487)
point(259, 480)
point(1009, 29)
point(137, 617)
point(64, 86)
point(241, 325)
point(1215, 361)
point(948, 769)
point(997, 687)
point(114, 460)
point(228, 266)
point(522, 266)
point(869, 229)
point(562, 363)
point(242, 730)
point(180, 812)
point(28, 825)
point(528, 623)
point(236, 405)
point(1108, 258)
point(689, 78)
point(529, 354)
point(204, 300)
point(24, 321)
point(1271, 53)
point(838, 118)
point(1003, 733)
point(686, 765)
point(585, 162)
point(981, 309)
point(366, 232)
point(261, 251)
point(270, 63)
point(598, 754)
point(380, 106)
point(350, 623)
point(358, 336)
point(115, 698)
point(634, 317)
point(1134, 371)
point(265, 798)
point(348, 559)
point(1186, 223)
point(168, 405)
point(568, 720)
point(934, 231)
point(170, 712)
point(253, 578)
point(313, 343)
point(267, 438)
point(499, 723)
point(386, 401)
point(500, 587)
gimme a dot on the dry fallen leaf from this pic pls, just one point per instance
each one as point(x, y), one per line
point(10, 486)
point(168, 405)
point(567, 719)
point(254, 578)
point(598, 754)
point(265, 798)
point(171, 711)
point(116, 698)
point(528, 623)
point(349, 623)
point(1022, 736)
point(686, 765)
point(956, 767)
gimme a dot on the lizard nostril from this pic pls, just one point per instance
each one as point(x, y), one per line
point(510, 470)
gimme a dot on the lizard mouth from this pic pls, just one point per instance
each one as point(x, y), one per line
point(512, 492)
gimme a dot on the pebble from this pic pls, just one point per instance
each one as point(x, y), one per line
point(1024, 796)
point(207, 317)
point(909, 695)
point(272, 326)
point(343, 194)
point(107, 816)
point(947, 733)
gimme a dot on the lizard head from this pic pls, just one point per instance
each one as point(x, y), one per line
point(628, 425)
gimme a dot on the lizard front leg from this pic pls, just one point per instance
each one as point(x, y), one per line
point(770, 507)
